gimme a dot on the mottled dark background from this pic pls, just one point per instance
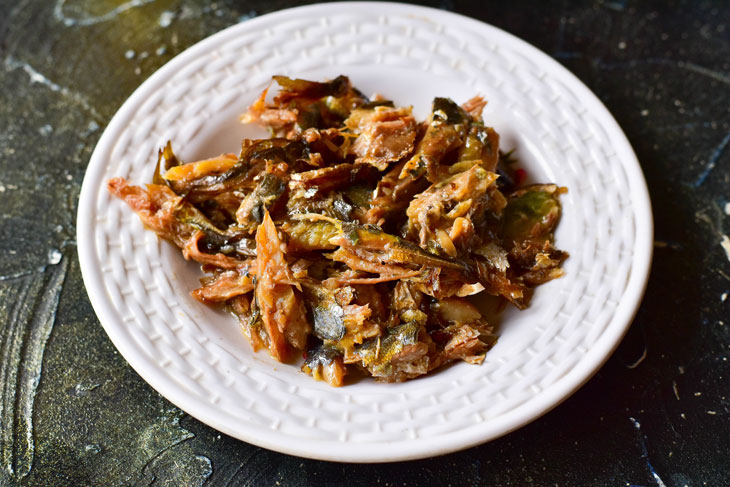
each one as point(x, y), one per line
point(73, 413)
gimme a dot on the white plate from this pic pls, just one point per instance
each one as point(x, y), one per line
point(198, 358)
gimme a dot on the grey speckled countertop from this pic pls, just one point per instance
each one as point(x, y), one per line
point(72, 411)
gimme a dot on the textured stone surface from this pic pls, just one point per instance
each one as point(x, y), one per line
point(72, 412)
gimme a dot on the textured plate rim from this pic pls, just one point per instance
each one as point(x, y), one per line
point(387, 451)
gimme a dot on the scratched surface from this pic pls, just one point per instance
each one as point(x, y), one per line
point(72, 412)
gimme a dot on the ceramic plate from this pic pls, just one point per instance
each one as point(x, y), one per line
point(198, 358)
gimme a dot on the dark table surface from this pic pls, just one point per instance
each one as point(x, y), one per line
point(73, 412)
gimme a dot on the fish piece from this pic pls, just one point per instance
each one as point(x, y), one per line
point(480, 144)
point(365, 261)
point(191, 250)
point(225, 286)
point(261, 155)
point(303, 104)
point(327, 314)
point(406, 303)
point(336, 320)
point(220, 209)
point(445, 132)
point(324, 179)
point(310, 205)
point(206, 167)
point(393, 249)
point(249, 316)
point(474, 107)
point(176, 220)
point(401, 354)
point(536, 263)
point(429, 216)
point(155, 206)
point(392, 194)
point(465, 342)
point(232, 241)
point(275, 118)
point(318, 105)
point(306, 236)
point(358, 324)
point(374, 297)
point(456, 310)
point(353, 278)
point(497, 283)
point(384, 135)
point(262, 199)
point(462, 333)
point(282, 312)
point(325, 363)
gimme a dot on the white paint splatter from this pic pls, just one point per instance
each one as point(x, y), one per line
point(718, 76)
point(723, 297)
point(91, 128)
point(130, 54)
point(46, 130)
point(166, 18)
point(658, 479)
point(207, 468)
point(94, 19)
point(641, 359)
point(726, 246)
point(81, 388)
point(11, 63)
point(35, 76)
point(92, 448)
point(251, 14)
point(54, 256)
point(727, 208)
point(160, 50)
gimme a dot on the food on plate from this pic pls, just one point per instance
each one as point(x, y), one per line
point(356, 235)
